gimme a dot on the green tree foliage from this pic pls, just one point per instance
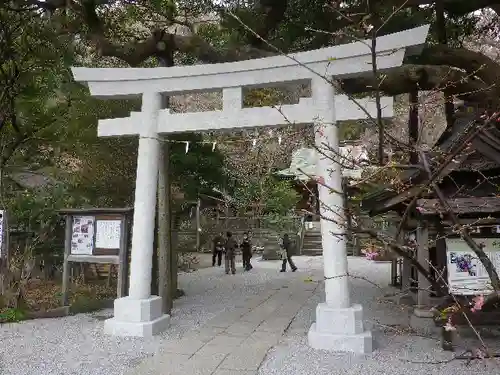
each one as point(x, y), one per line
point(282, 198)
point(350, 130)
point(33, 80)
point(200, 170)
point(112, 28)
point(268, 196)
point(34, 213)
point(48, 127)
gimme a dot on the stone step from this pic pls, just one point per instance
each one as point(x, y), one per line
point(305, 248)
point(312, 239)
point(312, 252)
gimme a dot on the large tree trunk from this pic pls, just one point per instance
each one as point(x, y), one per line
point(154, 263)
point(174, 244)
point(164, 233)
point(165, 259)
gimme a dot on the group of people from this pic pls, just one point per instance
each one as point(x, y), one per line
point(227, 247)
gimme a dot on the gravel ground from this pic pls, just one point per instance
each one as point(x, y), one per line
point(397, 350)
point(76, 345)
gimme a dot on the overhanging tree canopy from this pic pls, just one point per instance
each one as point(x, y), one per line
point(290, 25)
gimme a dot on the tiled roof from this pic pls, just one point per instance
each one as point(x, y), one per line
point(477, 161)
point(468, 205)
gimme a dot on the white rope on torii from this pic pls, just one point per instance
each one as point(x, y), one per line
point(339, 324)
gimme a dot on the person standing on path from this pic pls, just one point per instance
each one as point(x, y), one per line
point(246, 250)
point(218, 250)
point(229, 248)
point(287, 254)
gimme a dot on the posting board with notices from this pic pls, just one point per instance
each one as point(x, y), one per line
point(99, 236)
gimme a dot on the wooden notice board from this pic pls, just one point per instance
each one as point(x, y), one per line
point(96, 235)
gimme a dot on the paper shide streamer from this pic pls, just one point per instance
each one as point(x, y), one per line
point(254, 141)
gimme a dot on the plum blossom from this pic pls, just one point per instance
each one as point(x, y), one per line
point(478, 303)
point(370, 255)
point(449, 325)
point(321, 180)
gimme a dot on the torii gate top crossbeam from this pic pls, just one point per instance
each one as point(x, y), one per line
point(339, 61)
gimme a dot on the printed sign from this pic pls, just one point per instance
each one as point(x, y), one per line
point(83, 235)
point(108, 233)
point(466, 273)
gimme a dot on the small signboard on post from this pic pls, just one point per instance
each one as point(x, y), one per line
point(96, 235)
point(466, 274)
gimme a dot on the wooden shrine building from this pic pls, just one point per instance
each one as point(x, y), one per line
point(465, 165)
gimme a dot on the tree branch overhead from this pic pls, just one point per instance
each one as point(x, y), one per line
point(467, 74)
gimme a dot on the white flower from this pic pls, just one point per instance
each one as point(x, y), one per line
point(448, 327)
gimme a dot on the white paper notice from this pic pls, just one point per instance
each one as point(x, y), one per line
point(108, 233)
point(83, 235)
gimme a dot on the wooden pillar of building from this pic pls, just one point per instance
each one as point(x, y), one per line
point(424, 287)
point(406, 276)
point(413, 134)
point(406, 271)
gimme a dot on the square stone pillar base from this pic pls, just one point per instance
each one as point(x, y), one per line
point(423, 311)
point(137, 318)
point(340, 330)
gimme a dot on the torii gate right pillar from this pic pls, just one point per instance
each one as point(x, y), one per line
point(339, 325)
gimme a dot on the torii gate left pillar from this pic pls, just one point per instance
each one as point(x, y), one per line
point(339, 324)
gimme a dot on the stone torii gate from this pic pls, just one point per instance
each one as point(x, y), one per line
point(339, 324)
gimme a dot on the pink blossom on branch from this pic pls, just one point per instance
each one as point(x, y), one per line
point(321, 180)
point(370, 255)
point(477, 303)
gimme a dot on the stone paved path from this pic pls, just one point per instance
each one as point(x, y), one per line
point(236, 341)
point(252, 323)
point(265, 333)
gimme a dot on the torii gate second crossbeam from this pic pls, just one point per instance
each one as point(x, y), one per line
point(339, 324)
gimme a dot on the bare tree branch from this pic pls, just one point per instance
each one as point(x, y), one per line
point(488, 265)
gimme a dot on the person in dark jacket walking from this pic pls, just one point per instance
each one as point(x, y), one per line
point(246, 250)
point(287, 254)
point(229, 248)
point(218, 250)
